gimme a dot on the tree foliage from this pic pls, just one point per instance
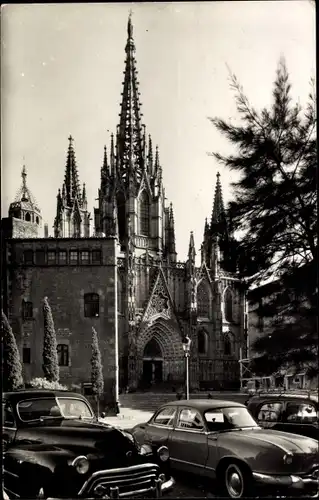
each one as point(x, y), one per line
point(50, 355)
point(274, 212)
point(96, 366)
point(12, 368)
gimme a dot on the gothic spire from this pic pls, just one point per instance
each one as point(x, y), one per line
point(191, 248)
point(104, 170)
point(130, 136)
point(218, 206)
point(71, 178)
point(150, 156)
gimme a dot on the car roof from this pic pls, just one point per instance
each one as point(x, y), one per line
point(205, 404)
point(17, 396)
point(309, 397)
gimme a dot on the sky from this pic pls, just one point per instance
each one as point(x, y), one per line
point(62, 71)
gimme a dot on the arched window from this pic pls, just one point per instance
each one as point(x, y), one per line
point(144, 213)
point(120, 296)
point(91, 305)
point(63, 354)
point(228, 302)
point(202, 342)
point(27, 217)
point(121, 217)
point(152, 349)
point(203, 300)
point(227, 345)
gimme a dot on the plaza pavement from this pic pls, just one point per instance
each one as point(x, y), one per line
point(127, 418)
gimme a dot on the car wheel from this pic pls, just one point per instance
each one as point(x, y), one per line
point(236, 481)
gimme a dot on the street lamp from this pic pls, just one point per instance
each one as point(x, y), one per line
point(186, 348)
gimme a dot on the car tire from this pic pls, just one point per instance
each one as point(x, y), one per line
point(236, 481)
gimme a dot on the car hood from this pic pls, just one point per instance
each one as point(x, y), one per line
point(76, 434)
point(287, 442)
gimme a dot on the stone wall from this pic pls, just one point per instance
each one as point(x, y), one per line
point(65, 286)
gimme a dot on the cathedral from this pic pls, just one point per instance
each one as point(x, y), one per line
point(122, 276)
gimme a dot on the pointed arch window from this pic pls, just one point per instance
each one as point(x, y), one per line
point(203, 300)
point(227, 345)
point(120, 296)
point(228, 302)
point(144, 214)
point(202, 342)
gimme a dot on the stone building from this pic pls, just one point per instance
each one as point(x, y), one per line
point(125, 280)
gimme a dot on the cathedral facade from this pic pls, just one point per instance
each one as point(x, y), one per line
point(123, 277)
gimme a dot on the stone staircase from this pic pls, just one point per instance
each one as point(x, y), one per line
point(150, 401)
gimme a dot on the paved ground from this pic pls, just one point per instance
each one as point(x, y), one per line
point(128, 418)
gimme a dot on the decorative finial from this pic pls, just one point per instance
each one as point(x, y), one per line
point(218, 176)
point(24, 175)
point(71, 140)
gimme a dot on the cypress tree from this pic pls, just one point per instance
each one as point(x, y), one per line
point(274, 214)
point(50, 355)
point(96, 369)
point(12, 368)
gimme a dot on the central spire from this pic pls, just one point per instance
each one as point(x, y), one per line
point(130, 131)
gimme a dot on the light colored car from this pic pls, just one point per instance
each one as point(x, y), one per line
point(221, 440)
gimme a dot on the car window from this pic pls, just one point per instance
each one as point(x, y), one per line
point(190, 419)
point(7, 415)
point(34, 409)
point(270, 412)
point(301, 413)
point(75, 408)
point(229, 418)
point(165, 416)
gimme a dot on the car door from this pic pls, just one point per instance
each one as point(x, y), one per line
point(9, 427)
point(9, 432)
point(187, 443)
point(157, 431)
point(301, 417)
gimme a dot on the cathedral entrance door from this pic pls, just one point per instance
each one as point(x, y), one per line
point(152, 363)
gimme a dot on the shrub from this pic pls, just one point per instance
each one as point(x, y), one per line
point(50, 355)
point(12, 368)
point(43, 383)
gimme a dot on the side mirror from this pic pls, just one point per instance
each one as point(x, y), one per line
point(103, 414)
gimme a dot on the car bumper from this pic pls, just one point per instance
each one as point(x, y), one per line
point(161, 489)
point(291, 481)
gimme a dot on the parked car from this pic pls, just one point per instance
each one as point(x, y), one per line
point(55, 447)
point(295, 412)
point(221, 440)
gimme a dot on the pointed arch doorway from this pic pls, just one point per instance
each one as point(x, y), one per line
point(152, 363)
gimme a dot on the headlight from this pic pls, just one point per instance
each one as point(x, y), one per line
point(146, 450)
point(163, 453)
point(288, 459)
point(81, 464)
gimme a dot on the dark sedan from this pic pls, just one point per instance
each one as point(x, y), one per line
point(220, 439)
point(54, 446)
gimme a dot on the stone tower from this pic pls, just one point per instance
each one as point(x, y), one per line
point(131, 195)
point(72, 217)
point(24, 213)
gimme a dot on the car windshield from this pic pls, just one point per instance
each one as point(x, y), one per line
point(35, 409)
point(229, 419)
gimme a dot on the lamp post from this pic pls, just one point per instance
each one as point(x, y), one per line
point(186, 347)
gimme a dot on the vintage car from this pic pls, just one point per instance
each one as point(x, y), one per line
point(54, 446)
point(221, 440)
point(295, 412)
